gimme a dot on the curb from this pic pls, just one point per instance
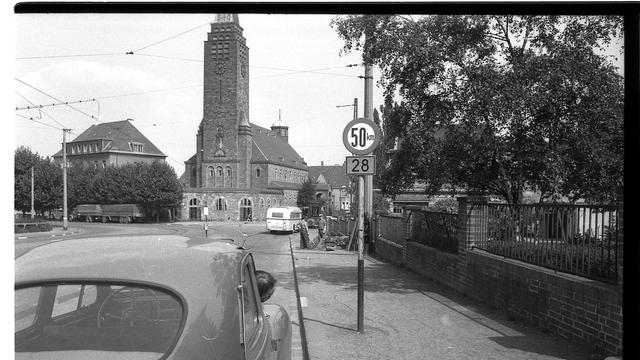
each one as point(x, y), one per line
point(303, 333)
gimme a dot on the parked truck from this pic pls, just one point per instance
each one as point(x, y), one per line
point(123, 213)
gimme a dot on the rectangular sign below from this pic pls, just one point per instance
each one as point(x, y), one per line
point(361, 165)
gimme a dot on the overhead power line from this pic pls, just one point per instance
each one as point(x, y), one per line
point(67, 56)
point(148, 91)
point(169, 38)
point(39, 122)
point(56, 99)
point(55, 104)
point(40, 110)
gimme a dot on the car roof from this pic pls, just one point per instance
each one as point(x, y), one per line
point(160, 259)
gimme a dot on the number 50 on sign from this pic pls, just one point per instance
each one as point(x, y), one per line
point(361, 165)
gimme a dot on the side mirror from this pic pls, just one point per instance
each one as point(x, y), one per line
point(266, 284)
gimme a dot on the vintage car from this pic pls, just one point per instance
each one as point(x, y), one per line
point(147, 297)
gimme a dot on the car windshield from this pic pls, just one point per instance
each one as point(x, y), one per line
point(95, 321)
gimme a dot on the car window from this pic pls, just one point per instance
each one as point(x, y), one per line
point(251, 314)
point(26, 307)
point(96, 320)
point(72, 297)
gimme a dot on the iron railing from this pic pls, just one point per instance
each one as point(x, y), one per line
point(392, 228)
point(436, 229)
point(585, 240)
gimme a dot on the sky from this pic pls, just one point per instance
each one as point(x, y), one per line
point(296, 70)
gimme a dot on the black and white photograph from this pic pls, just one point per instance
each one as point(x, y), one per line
point(245, 180)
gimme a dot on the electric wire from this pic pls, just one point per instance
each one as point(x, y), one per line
point(56, 99)
point(148, 92)
point(67, 56)
point(40, 110)
point(39, 122)
point(169, 38)
point(56, 104)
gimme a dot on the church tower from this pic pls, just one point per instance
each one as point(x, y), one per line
point(224, 141)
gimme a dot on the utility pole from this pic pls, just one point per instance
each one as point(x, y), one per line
point(64, 179)
point(33, 211)
point(368, 114)
point(354, 105)
point(355, 116)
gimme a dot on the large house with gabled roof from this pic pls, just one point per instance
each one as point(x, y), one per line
point(239, 169)
point(110, 144)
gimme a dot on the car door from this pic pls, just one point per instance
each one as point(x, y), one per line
point(255, 333)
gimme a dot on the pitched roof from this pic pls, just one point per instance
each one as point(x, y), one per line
point(120, 133)
point(335, 175)
point(270, 147)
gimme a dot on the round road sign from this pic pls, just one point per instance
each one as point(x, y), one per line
point(361, 136)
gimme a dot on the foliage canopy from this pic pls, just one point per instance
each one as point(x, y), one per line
point(497, 104)
point(155, 186)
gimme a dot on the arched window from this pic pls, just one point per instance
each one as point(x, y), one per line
point(221, 204)
point(258, 172)
point(268, 203)
point(261, 202)
point(245, 209)
point(219, 171)
point(210, 181)
point(227, 178)
point(194, 209)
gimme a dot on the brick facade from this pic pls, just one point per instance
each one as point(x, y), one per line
point(236, 163)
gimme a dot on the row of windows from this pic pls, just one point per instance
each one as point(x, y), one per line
point(287, 175)
point(84, 148)
point(137, 147)
point(219, 204)
point(219, 172)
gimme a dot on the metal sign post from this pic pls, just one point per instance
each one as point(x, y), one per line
point(361, 136)
point(360, 253)
point(206, 224)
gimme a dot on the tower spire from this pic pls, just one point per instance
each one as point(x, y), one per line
point(227, 18)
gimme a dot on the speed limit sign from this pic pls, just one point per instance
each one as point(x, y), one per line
point(361, 136)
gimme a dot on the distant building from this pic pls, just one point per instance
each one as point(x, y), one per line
point(239, 169)
point(332, 185)
point(110, 144)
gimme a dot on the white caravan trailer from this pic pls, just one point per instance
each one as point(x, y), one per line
point(284, 218)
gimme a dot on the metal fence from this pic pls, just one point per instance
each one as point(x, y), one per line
point(436, 229)
point(392, 228)
point(585, 240)
point(342, 226)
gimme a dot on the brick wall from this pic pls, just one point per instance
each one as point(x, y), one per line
point(577, 309)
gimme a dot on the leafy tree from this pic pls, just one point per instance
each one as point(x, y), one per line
point(157, 188)
point(306, 194)
point(497, 104)
point(47, 181)
point(24, 159)
point(47, 185)
point(154, 186)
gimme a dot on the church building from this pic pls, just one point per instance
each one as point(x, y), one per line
point(239, 169)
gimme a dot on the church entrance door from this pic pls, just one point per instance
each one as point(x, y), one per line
point(194, 209)
point(245, 210)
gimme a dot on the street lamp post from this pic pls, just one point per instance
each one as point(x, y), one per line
point(354, 105)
